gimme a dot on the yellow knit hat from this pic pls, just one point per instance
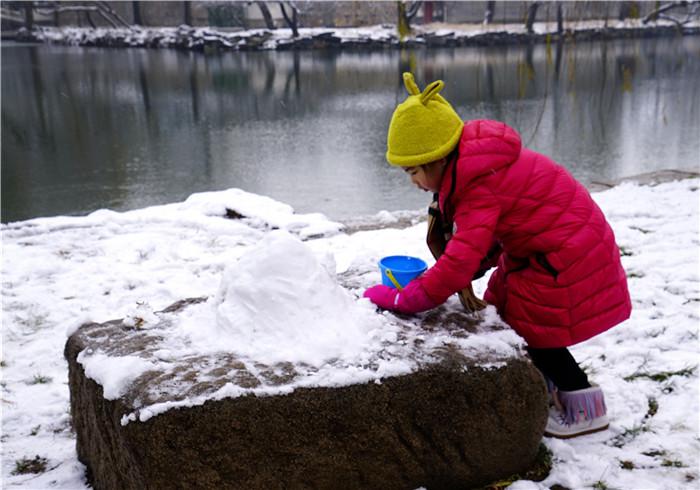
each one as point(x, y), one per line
point(424, 127)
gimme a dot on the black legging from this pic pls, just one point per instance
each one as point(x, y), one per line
point(560, 367)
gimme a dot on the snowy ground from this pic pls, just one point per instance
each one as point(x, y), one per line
point(59, 272)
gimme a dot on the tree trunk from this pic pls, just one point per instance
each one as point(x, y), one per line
point(188, 13)
point(269, 22)
point(628, 9)
point(412, 9)
point(560, 18)
point(110, 15)
point(89, 19)
point(403, 25)
point(293, 21)
point(136, 10)
point(490, 9)
point(29, 15)
point(531, 14)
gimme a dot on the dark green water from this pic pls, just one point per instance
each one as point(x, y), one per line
point(88, 128)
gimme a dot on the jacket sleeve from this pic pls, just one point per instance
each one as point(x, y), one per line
point(476, 215)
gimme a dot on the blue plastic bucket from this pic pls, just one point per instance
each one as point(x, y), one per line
point(402, 267)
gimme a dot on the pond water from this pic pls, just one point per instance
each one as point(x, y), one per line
point(90, 128)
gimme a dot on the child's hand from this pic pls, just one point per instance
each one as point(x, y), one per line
point(412, 299)
point(382, 296)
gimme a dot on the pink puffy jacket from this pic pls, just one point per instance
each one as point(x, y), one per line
point(559, 280)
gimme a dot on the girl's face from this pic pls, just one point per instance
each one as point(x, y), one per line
point(427, 177)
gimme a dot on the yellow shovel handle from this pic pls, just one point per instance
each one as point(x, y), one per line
point(393, 280)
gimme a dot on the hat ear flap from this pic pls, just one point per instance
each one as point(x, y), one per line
point(431, 91)
point(410, 84)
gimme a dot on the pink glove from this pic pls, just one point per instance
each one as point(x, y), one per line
point(412, 299)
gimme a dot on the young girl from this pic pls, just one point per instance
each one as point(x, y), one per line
point(558, 278)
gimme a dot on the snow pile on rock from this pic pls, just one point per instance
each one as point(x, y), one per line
point(280, 303)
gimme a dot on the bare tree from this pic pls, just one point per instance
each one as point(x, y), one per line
point(265, 11)
point(112, 13)
point(187, 6)
point(560, 18)
point(101, 8)
point(90, 21)
point(29, 15)
point(628, 9)
point(490, 9)
point(293, 21)
point(136, 11)
point(692, 11)
point(531, 15)
point(407, 10)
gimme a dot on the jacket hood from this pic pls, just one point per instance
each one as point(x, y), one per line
point(486, 146)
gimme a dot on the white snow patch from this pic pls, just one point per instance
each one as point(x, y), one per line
point(114, 374)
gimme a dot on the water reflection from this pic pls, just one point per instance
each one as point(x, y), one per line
point(90, 128)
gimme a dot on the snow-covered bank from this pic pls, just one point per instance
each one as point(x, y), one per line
point(59, 272)
point(372, 37)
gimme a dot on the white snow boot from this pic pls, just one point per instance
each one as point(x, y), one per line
point(582, 412)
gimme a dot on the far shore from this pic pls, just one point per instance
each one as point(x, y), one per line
point(384, 36)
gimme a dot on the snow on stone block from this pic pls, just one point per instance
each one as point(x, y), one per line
point(260, 210)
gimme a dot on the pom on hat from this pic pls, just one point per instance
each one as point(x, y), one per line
point(424, 127)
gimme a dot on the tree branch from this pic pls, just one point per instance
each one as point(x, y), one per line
point(657, 14)
point(653, 15)
point(77, 8)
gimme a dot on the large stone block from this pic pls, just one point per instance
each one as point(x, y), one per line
point(457, 421)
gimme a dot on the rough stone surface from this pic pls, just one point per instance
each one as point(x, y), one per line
point(457, 422)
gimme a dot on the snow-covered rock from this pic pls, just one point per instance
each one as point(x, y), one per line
point(283, 365)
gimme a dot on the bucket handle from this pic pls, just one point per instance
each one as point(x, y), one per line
point(393, 280)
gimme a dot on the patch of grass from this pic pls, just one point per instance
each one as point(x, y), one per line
point(669, 463)
point(628, 435)
point(625, 252)
point(657, 333)
point(661, 376)
point(25, 465)
point(539, 471)
point(627, 465)
point(35, 430)
point(654, 453)
point(600, 485)
point(40, 379)
point(653, 407)
point(635, 275)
